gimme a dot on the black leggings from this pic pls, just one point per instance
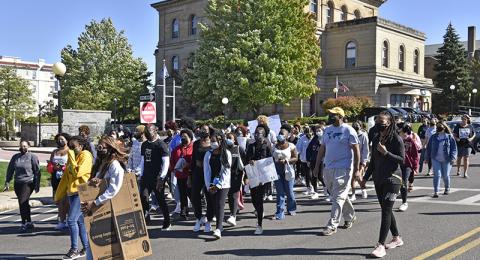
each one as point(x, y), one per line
point(185, 194)
point(309, 178)
point(220, 197)
point(406, 173)
point(233, 203)
point(23, 192)
point(198, 189)
point(387, 192)
point(146, 187)
point(319, 178)
point(257, 201)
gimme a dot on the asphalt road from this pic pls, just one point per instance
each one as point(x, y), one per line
point(431, 228)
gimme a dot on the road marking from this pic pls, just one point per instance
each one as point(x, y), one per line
point(32, 216)
point(471, 199)
point(461, 250)
point(49, 218)
point(448, 244)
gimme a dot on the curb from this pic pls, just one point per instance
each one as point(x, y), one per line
point(34, 202)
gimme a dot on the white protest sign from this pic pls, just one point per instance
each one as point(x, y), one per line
point(262, 171)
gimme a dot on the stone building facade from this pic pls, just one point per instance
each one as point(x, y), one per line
point(339, 22)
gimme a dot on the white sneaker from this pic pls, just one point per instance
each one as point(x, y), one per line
point(270, 198)
point(214, 219)
point(217, 233)
point(258, 230)
point(314, 196)
point(364, 194)
point(208, 227)
point(169, 196)
point(198, 225)
point(232, 221)
point(403, 207)
point(328, 199)
point(177, 209)
point(353, 197)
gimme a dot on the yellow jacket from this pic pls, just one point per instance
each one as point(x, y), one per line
point(77, 171)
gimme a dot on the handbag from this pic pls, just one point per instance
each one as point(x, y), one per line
point(289, 172)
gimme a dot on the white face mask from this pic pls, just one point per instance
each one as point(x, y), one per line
point(214, 145)
point(319, 133)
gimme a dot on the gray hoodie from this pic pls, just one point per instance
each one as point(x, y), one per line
point(26, 168)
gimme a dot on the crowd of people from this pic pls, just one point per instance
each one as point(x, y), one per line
point(204, 167)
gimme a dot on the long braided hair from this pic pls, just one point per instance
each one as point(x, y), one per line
point(391, 129)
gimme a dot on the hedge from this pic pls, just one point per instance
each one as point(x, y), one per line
point(351, 105)
point(221, 122)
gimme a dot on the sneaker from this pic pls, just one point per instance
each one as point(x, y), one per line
point(258, 230)
point(72, 254)
point(314, 196)
point(458, 173)
point(270, 198)
point(364, 194)
point(208, 227)
point(23, 228)
point(153, 208)
point(292, 213)
point(217, 233)
point(353, 197)
point(465, 176)
point(306, 193)
point(328, 199)
point(82, 252)
point(446, 192)
point(379, 251)
point(61, 226)
point(232, 221)
point(328, 231)
point(403, 207)
point(435, 195)
point(349, 224)
point(169, 196)
point(198, 225)
point(279, 216)
point(214, 219)
point(396, 242)
point(166, 227)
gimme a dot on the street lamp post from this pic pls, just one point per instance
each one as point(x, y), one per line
point(452, 88)
point(40, 108)
point(59, 70)
point(224, 102)
point(115, 112)
point(335, 90)
point(474, 91)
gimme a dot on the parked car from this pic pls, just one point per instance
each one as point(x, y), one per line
point(405, 115)
point(373, 111)
point(476, 126)
point(415, 116)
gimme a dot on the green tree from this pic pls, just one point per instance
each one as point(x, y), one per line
point(103, 68)
point(255, 52)
point(15, 96)
point(452, 68)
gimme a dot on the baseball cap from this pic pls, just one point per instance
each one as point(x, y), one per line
point(336, 110)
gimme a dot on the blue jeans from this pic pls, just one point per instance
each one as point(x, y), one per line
point(284, 188)
point(441, 169)
point(77, 226)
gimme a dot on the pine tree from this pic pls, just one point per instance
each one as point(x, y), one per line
point(452, 69)
point(255, 52)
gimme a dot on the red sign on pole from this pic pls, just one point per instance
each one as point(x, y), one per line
point(148, 112)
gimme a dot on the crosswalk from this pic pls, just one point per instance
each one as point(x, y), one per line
point(40, 215)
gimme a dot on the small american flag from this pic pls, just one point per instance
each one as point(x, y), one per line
point(341, 86)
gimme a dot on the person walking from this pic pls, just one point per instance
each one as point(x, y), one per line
point(135, 157)
point(464, 134)
point(58, 162)
point(236, 178)
point(78, 171)
point(311, 156)
point(442, 151)
point(303, 168)
point(217, 173)
point(430, 131)
point(285, 156)
point(84, 131)
point(364, 153)
point(410, 164)
point(340, 153)
point(258, 150)
point(25, 170)
point(388, 153)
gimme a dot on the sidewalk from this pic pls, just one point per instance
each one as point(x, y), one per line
point(46, 150)
point(8, 200)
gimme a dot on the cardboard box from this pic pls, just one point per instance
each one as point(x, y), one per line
point(117, 229)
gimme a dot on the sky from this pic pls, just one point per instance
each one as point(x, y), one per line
point(39, 29)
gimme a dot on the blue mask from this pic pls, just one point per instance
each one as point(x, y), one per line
point(281, 138)
point(229, 142)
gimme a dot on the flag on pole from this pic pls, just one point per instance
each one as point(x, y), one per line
point(341, 86)
point(165, 71)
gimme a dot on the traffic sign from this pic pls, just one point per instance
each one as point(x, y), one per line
point(148, 112)
point(147, 97)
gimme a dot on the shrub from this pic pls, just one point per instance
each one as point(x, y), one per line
point(45, 119)
point(307, 120)
point(221, 122)
point(351, 105)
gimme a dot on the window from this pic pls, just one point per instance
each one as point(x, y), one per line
point(175, 29)
point(357, 14)
point(351, 55)
point(400, 100)
point(385, 54)
point(330, 12)
point(344, 13)
point(175, 63)
point(313, 6)
point(193, 25)
point(415, 61)
point(401, 58)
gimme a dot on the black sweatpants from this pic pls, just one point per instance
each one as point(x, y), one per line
point(198, 190)
point(406, 173)
point(24, 191)
point(387, 192)
point(146, 187)
point(257, 194)
point(185, 194)
point(309, 178)
point(220, 197)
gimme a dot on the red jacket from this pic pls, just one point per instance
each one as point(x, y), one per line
point(412, 157)
point(182, 152)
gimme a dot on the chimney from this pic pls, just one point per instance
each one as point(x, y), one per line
point(472, 38)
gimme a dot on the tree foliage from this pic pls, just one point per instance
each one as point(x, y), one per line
point(351, 105)
point(255, 52)
point(15, 96)
point(452, 69)
point(103, 68)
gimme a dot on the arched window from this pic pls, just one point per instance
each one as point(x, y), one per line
point(385, 54)
point(314, 6)
point(193, 24)
point(175, 29)
point(344, 13)
point(416, 61)
point(357, 14)
point(175, 63)
point(330, 12)
point(401, 57)
point(351, 55)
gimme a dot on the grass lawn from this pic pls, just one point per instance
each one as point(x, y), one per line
point(44, 181)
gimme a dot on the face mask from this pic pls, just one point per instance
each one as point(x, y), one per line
point(60, 143)
point(319, 133)
point(380, 127)
point(23, 150)
point(281, 138)
point(229, 143)
point(101, 153)
point(356, 128)
point(214, 145)
point(440, 129)
point(184, 141)
point(331, 120)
